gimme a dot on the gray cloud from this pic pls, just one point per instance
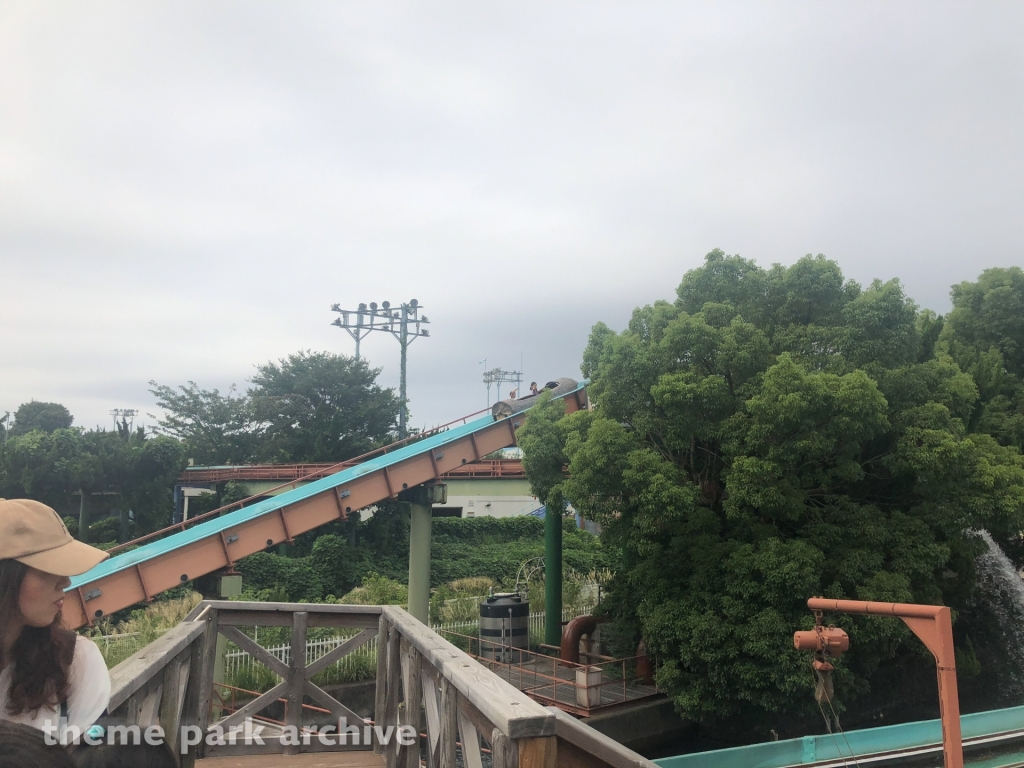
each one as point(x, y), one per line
point(185, 188)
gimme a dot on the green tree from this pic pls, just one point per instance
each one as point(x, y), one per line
point(310, 406)
point(215, 428)
point(46, 417)
point(984, 335)
point(49, 467)
point(119, 472)
point(321, 407)
point(772, 435)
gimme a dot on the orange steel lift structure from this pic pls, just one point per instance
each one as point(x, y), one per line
point(216, 541)
point(933, 626)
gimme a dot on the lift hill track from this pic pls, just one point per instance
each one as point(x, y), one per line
point(218, 540)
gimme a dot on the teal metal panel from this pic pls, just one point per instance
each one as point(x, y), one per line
point(228, 521)
point(860, 743)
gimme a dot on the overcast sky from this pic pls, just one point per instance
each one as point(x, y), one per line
point(186, 188)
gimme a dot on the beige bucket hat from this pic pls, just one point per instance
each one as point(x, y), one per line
point(33, 533)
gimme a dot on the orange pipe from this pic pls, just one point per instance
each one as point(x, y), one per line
point(574, 631)
point(934, 627)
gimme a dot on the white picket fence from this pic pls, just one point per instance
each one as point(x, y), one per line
point(365, 657)
point(119, 646)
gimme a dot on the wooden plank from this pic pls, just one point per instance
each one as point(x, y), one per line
point(341, 651)
point(470, 738)
point(255, 650)
point(338, 710)
point(594, 743)
point(380, 694)
point(412, 688)
point(253, 707)
point(430, 706)
point(209, 665)
point(325, 759)
point(449, 723)
point(474, 715)
point(503, 751)
point(192, 697)
point(506, 707)
point(296, 675)
point(328, 756)
point(173, 705)
point(394, 685)
point(281, 619)
point(149, 709)
point(229, 606)
point(134, 672)
point(538, 752)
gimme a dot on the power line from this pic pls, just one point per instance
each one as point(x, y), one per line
point(405, 324)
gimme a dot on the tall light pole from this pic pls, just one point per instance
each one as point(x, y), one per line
point(405, 324)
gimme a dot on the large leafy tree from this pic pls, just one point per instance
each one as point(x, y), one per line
point(117, 471)
point(321, 407)
point(984, 334)
point(769, 436)
point(310, 406)
point(45, 417)
point(215, 428)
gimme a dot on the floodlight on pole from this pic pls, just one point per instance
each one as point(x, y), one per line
point(405, 324)
point(124, 416)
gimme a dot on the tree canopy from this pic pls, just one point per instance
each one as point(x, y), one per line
point(984, 335)
point(310, 406)
point(771, 435)
point(122, 470)
point(45, 417)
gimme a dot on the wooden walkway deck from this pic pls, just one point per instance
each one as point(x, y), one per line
point(363, 759)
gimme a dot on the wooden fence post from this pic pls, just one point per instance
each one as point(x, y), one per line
point(297, 678)
point(539, 752)
point(449, 723)
point(193, 697)
point(394, 688)
point(412, 688)
point(209, 652)
point(380, 694)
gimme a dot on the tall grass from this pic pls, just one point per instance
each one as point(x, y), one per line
point(145, 626)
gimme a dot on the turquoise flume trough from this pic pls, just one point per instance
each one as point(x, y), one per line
point(980, 730)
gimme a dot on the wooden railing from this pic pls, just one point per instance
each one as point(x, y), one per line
point(454, 709)
point(161, 685)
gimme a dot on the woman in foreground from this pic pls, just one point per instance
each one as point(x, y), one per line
point(46, 671)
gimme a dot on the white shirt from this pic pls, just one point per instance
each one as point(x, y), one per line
point(88, 691)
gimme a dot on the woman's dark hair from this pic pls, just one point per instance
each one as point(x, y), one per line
point(123, 756)
point(24, 747)
point(41, 657)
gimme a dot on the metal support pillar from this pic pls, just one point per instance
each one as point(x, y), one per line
point(553, 574)
point(419, 501)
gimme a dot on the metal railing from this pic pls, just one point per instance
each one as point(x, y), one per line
point(583, 689)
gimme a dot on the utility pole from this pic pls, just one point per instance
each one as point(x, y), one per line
point(405, 324)
point(7, 426)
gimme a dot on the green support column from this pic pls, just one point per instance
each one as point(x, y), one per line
point(553, 573)
point(419, 501)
